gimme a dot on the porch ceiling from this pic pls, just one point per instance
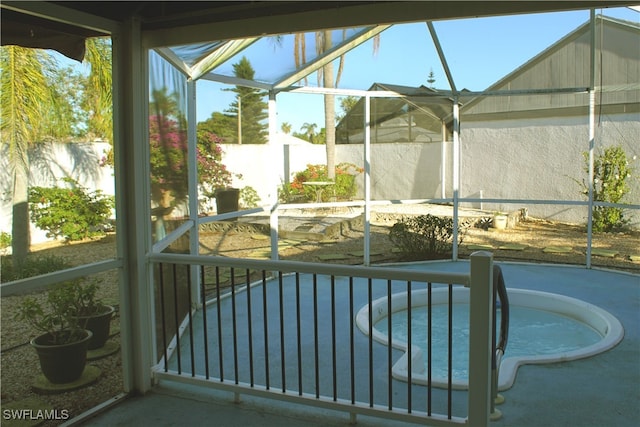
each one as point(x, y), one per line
point(170, 23)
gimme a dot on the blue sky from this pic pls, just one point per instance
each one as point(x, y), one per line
point(479, 52)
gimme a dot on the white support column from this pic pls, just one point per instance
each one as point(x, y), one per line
point(276, 150)
point(192, 168)
point(456, 174)
point(367, 179)
point(480, 333)
point(592, 130)
point(131, 149)
point(443, 162)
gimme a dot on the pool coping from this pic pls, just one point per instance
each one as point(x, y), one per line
point(597, 318)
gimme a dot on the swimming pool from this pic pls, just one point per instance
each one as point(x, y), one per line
point(544, 328)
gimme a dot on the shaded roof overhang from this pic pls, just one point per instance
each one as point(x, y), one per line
point(171, 23)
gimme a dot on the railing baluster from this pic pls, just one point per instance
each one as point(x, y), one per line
point(219, 309)
point(352, 342)
point(176, 317)
point(234, 325)
point(190, 317)
point(450, 352)
point(249, 328)
point(409, 344)
point(429, 347)
point(282, 343)
point(315, 334)
point(265, 321)
point(299, 334)
point(389, 348)
point(333, 338)
point(164, 317)
point(205, 342)
point(369, 301)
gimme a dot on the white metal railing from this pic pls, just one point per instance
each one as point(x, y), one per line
point(286, 330)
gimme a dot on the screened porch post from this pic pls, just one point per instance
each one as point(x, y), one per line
point(592, 127)
point(192, 169)
point(130, 69)
point(456, 174)
point(443, 162)
point(276, 150)
point(367, 178)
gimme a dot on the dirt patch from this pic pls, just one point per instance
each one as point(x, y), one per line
point(531, 240)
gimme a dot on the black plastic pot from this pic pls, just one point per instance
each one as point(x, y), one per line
point(227, 200)
point(62, 363)
point(99, 325)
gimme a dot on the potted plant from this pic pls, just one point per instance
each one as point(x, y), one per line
point(62, 346)
point(500, 220)
point(91, 313)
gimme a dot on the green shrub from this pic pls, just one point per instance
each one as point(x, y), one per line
point(32, 266)
point(71, 213)
point(344, 187)
point(249, 197)
point(424, 237)
point(611, 173)
point(5, 240)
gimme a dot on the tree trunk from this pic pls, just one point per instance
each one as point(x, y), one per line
point(20, 237)
point(329, 112)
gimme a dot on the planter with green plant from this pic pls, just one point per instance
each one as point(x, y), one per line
point(91, 312)
point(62, 346)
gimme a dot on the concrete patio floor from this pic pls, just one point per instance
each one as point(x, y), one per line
point(603, 390)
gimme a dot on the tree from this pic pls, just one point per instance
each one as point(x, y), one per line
point(97, 99)
point(309, 131)
point(249, 108)
point(26, 100)
point(286, 128)
point(346, 104)
point(222, 125)
point(431, 78)
point(324, 42)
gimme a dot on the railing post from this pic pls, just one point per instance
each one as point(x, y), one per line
point(480, 322)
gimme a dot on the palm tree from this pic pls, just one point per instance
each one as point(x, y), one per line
point(98, 99)
point(309, 129)
point(324, 42)
point(286, 128)
point(25, 97)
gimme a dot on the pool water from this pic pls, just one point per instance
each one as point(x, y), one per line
point(532, 332)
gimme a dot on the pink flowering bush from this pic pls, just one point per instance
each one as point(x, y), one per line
point(169, 165)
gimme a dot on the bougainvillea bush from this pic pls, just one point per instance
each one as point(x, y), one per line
point(344, 187)
point(169, 162)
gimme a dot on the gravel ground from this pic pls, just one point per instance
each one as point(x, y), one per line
point(19, 365)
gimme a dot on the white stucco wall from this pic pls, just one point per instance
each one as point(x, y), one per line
point(542, 159)
point(505, 159)
point(48, 164)
point(398, 170)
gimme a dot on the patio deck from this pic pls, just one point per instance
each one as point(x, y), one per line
point(599, 391)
